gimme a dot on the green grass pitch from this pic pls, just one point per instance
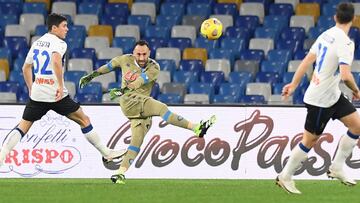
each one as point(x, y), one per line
point(170, 191)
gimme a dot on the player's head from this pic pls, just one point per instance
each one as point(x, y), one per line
point(344, 13)
point(141, 52)
point(57, 24)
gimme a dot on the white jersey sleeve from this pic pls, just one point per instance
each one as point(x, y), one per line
point(345, 52)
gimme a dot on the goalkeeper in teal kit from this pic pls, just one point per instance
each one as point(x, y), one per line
point(139, 74)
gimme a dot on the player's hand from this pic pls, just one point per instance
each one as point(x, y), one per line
point(115, 92)
point(287, 91)
point(84, 80)
point(356, 95)
point(59, 94)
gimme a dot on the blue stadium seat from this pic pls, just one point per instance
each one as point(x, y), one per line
point(285, 10)
point(125, 43)
point(74, 42)
point(117, 9)
point(269, 77)
point(314, 32)
point(10, 8)
point(176, 9)
point(40, 30)
point(300, 54)
point(252, 99)
point(8, 19)
point(17, 76)
point(114, 85)
point(223, 54)
point(10, 87)
point(16, 45)
point(325, 22)
point(257, 55)
point(179, 42)
point(277, 88)
point(281, 55)
point(90, 8)
point(266, 32)
point(354, 34)
point(290, 44)
point(225, 9)
point(113, 20)
point(84, 53)
point(234, 44)
point(287, 78)
point(157, 3)
point(241, 78)
point(170, 98)
point(198, 9)
point(168, 20)
point(185, 77)
point(238, 32)
point(293, 33)
point(77, 31)
point(167, 65)
point(328, 9)
point(35, 7)
point(177, 1)
point(74, 76)
point(192, 65)
point(18, 64)
point(101, 62)
point(201, 42)
point(6, 53)
point(154, 43)
point(249, 22)
point(213, 77)
point(357, 54)
point(224, 99)
point(158, 31)
point(233, 89)
point(273, 66)
point(87, 98)
point(277, 22)
point(143, 21)
point(202, 88)
point(155, 91)
point(91, 88)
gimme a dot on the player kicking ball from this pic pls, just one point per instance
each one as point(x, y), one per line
point(139, 74)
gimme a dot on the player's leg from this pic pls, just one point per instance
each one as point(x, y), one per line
point(153, 107)
point(33, 112)
point(346, 143)
point(73, 111)
point(139, 128)
point(316, 121)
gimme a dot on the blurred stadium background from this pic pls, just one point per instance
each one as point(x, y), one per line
point(262, 44)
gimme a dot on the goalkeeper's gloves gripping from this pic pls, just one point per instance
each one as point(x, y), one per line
point(115, 92)
point(84, 80)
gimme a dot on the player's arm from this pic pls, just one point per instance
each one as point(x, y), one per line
point(307, 62)
point(28, 76)
point(114, 63)
point(145, 77)
point(57, 67)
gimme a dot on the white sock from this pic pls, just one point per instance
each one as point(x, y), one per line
point(94, 139)
point(346, 146)
point(13, 138)
point(298, 155)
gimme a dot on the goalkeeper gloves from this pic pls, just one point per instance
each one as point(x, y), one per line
point(115, 92)
point(84, 80)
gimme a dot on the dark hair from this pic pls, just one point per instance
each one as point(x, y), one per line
point(142, 43)
point(344, 12)
point(54, 19)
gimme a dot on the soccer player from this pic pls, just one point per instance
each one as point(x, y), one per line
point(333, 52)
point(139, 73)
point(47, 91)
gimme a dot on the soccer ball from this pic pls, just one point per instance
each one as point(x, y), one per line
point(211, 28)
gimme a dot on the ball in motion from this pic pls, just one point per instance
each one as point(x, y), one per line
point(211, 28)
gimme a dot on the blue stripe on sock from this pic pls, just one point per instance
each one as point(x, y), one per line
point(166, 115)
point(20, 131)
point(109, 66)
point(302, 147)
point(133, 148)
point(87, 129)
point(145, 77)
point(353, 136)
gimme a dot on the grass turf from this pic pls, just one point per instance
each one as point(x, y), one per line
point(170, 191)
